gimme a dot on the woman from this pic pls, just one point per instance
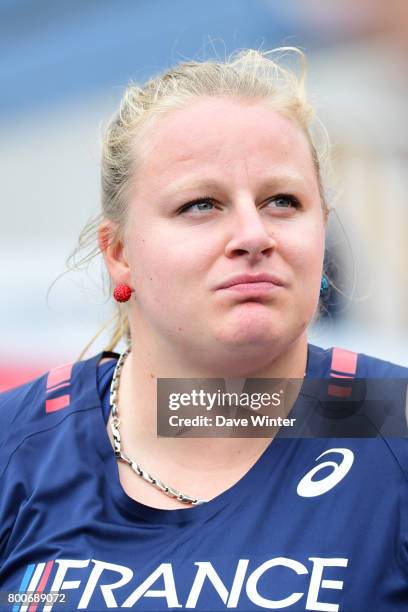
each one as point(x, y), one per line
point(213, 231)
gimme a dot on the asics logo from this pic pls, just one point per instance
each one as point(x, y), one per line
point(308, 487)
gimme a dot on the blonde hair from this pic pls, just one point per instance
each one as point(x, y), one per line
point(246, 75)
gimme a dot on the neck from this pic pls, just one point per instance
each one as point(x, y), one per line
point(138, 406)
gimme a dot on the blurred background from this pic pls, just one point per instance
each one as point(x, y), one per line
point(63, 68)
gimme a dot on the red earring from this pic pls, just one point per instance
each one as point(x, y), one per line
point(122, 293)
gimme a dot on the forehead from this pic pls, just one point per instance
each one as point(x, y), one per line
point(224, 136)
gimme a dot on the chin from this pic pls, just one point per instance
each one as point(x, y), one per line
point(252, 334)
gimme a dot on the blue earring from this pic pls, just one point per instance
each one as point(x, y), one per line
point(324, 286)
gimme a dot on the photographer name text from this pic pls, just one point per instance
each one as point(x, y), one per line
point(222, 421)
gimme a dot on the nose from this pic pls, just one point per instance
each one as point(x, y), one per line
point(250, 235)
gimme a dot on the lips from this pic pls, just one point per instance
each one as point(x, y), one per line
point(244, 279)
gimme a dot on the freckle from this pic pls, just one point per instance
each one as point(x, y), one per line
point(152, 375)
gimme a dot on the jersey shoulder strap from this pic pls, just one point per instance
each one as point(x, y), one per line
point(43, 404)
point(343, 363)
point(343, 366)
point(58, 388)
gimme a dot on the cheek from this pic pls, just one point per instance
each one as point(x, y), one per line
point(304, 255)
point(164, 264)
point(305, 249)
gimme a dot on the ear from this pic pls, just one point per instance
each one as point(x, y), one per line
point(113, 252)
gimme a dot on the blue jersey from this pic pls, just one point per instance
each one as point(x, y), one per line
point(316, 524)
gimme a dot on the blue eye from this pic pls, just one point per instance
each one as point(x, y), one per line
point(199, 202)
point(285, 201)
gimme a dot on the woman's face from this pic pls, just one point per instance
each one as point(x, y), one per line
point(224, 188)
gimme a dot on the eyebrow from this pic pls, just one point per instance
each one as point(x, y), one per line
point(271, 182)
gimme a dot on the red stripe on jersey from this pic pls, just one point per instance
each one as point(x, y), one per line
point(344, 361)
point(58, 387)
point(336, 391)
point(42, 583)
point(57, 403)
point(59, 375)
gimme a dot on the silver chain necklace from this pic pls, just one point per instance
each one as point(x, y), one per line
point(121, 455)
